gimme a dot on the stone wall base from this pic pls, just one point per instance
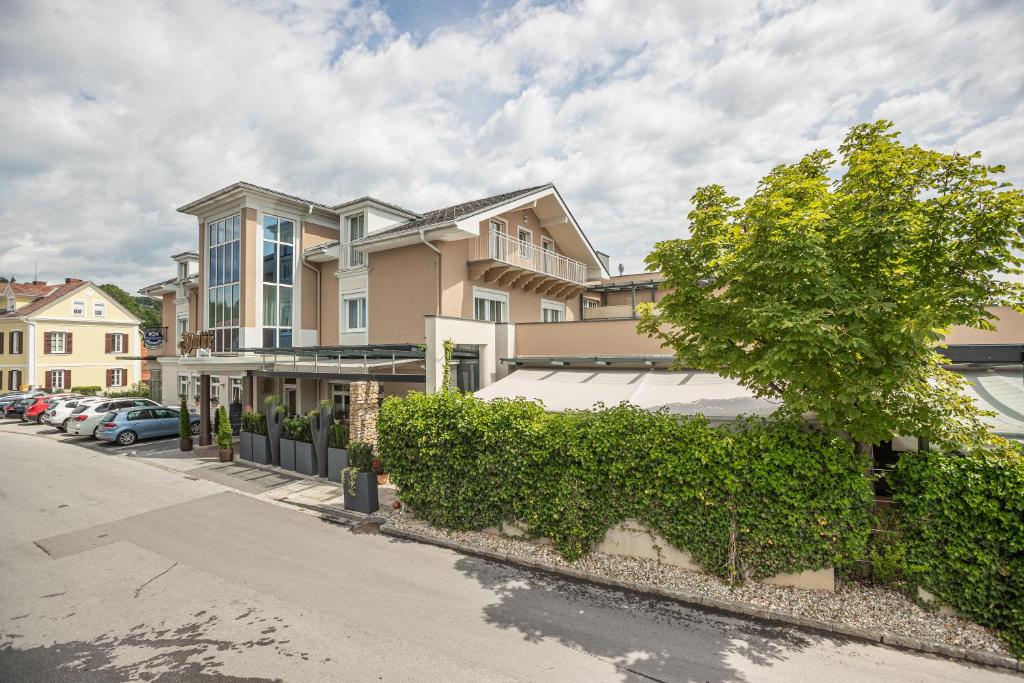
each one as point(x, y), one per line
point(632, 539)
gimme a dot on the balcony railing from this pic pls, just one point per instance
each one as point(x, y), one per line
point(526, 255)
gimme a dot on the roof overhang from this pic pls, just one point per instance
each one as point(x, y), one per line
point(236, 194)
point(369, 202)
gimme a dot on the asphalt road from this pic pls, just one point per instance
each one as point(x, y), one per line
point(115, 568)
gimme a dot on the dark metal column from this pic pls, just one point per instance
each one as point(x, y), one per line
point(204, 410)
point(247, 386)
point(632, 292)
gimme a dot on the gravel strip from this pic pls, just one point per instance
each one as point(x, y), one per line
point(861, 606)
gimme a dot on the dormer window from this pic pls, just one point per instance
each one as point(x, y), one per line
point(183, 270)
point(355, 228)
point(99, 309)
point(77, 308)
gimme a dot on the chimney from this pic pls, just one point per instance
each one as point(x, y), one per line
point(72, 280)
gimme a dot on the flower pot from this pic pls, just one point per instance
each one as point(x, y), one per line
point(245, 446)
point(185, 443)
point(287, 454)
point(304, 458)
point(383, 478)
point(365, 498)
point(337, 460)
point(261, 449)
point(226, 454)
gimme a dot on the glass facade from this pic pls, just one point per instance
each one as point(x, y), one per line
point(278, 280)
point(223, 314)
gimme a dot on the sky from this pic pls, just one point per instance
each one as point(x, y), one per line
point(116, 112)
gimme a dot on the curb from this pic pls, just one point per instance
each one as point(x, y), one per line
point(732, 607)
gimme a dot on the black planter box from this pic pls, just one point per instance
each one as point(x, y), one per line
point(245, 445)
point(337, 459)
point(304, 458)
point(365, 500)
point(288, 454)
point(261, 449)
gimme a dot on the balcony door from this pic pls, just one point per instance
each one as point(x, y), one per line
point(497, 241)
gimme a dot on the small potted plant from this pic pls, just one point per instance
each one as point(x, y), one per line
point(184, 428)
point(260, 441)
point(288, 437)
point(305, 460)
point(275, 427)
point(337, 453)
point(224, 437)
point(378, 469)
point(358, 480)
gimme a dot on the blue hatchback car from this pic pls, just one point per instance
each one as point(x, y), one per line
point(131, 424)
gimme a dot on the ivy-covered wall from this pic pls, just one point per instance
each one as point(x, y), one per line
point(962, 523)
point(747, 502)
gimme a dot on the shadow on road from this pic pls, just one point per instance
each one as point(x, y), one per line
point(143, 653)
point(644, 637)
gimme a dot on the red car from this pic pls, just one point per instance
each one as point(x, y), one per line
point(34, 412)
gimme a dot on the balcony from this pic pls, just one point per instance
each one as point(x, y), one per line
point(508, 261)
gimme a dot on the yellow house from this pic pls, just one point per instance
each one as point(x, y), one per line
point(60, 336)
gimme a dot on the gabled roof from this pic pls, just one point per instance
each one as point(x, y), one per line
point(243, 185)
point(30, 288)
point(450, 214)
point(55, 292)
point(385, 205)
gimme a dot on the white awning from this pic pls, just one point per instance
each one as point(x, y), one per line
point(682, 393)
point(1000, 391)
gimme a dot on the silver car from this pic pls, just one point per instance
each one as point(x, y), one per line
point(84, 419)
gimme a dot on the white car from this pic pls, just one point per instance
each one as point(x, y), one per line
point(84, 420)
point(58, 414)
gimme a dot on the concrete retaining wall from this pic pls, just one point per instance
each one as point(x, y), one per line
point(632, 539)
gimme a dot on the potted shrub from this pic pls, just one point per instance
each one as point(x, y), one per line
point(337, 455)
point(260, 441)
point(305, 460)
point(275, 427)
point(245, 433)
point(224, 438)
point(358, 480)
point(288, 433)
point(321, 421)
point(184, 428)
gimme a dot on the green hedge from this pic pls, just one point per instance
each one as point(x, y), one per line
point(746, 502)
point(962, 522)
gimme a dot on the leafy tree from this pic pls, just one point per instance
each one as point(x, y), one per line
point(148, 313)
point(832, 289)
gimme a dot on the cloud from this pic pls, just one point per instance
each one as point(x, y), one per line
point(115, 113)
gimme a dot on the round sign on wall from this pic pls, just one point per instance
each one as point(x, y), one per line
point(153, 338)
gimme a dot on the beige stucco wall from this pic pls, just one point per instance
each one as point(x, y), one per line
point(584, 338)
point(168, 317)
point(250, 262)
point(312, 282)
point(9, 361)
point(402, 289)
point(328, 304)
point(1009, 330)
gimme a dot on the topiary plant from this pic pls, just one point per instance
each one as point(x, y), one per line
point(184, 422)
point(223, 430)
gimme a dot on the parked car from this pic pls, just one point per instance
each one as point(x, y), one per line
point(84, 419)
point(17, 408)
point(34, 412)
point(7, 401)
point(58, 414)
point(128, 426)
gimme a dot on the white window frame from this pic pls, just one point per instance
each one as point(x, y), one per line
point(60, 348)
point(183, 386)
point(13, 375)
point(352, 297)
point(277, 286)
point(554, 306)
point(118, 342)
point(182, 327)
point(491, 295)
point(117, 377)
point(99, 309)
point(15, 348)
point(78, 308)
point(525, 245)
point(547, 244)
point(353, 258)
point(11, 303)
point(54, 384)
point(590, 303)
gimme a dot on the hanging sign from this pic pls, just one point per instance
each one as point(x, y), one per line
point(192, 341)
point(153, 337)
